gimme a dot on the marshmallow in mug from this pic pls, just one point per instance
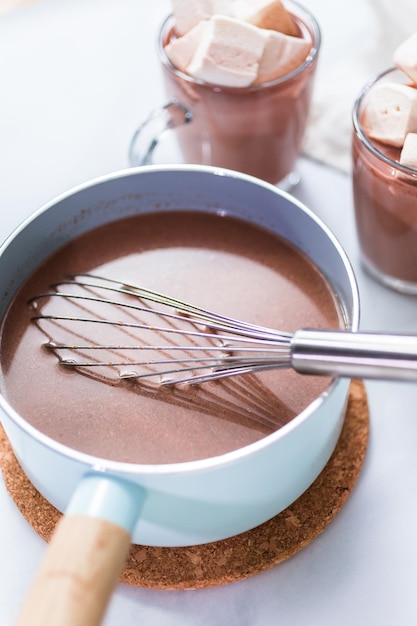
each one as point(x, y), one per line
point(270, 14)
point(390, 114)
point(408, 156)
point(230, 51)
point(405, 57)
point(189, 13)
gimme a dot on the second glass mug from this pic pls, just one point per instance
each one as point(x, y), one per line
point(257, 130)
point(385, 201)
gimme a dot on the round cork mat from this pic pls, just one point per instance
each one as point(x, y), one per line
point(239, 557)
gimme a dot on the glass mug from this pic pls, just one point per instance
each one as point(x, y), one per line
point(256, 130)
point(385, 202)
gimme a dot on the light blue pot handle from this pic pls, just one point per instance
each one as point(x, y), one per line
point(86, 554)
point(103, 496)
point(147, 137)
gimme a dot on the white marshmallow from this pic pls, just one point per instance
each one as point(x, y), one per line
point(391, 113)
point(228, 54)
point(408, 156)
point(180, 51)
point(269, 14)
point(405, 57)
point(282, 54)
point(188, 13)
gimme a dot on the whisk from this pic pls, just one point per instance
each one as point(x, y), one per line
point(98, 322)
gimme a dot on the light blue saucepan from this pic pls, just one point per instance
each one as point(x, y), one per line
point(108, 503)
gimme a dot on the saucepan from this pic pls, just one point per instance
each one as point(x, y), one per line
point(109, 504)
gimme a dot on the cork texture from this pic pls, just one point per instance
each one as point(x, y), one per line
point(239, 557)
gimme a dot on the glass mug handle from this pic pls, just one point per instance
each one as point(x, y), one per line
point(146, 138)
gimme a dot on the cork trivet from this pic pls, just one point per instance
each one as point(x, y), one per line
point(234, 559)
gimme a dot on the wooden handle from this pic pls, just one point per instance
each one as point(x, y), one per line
point(78, 574)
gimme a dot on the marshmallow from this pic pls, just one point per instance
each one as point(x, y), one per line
point(268, 14)
point(228, 54)
point(391, 113)
point(282, 54)
point(180, 51)
point(408, 156)
point(405, 57)
point(188, 13)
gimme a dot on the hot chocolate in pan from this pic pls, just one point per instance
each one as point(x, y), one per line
point(219, 263)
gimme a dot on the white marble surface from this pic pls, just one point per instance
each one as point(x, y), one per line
point(74, 85)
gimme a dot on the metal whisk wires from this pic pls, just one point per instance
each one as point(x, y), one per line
point(97, 323)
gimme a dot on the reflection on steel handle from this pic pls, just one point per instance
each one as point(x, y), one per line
point(356, 355)
point(146, 138)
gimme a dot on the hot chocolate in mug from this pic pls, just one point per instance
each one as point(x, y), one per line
point(257, 130)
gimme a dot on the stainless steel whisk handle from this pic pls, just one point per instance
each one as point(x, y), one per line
point(355, 355)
